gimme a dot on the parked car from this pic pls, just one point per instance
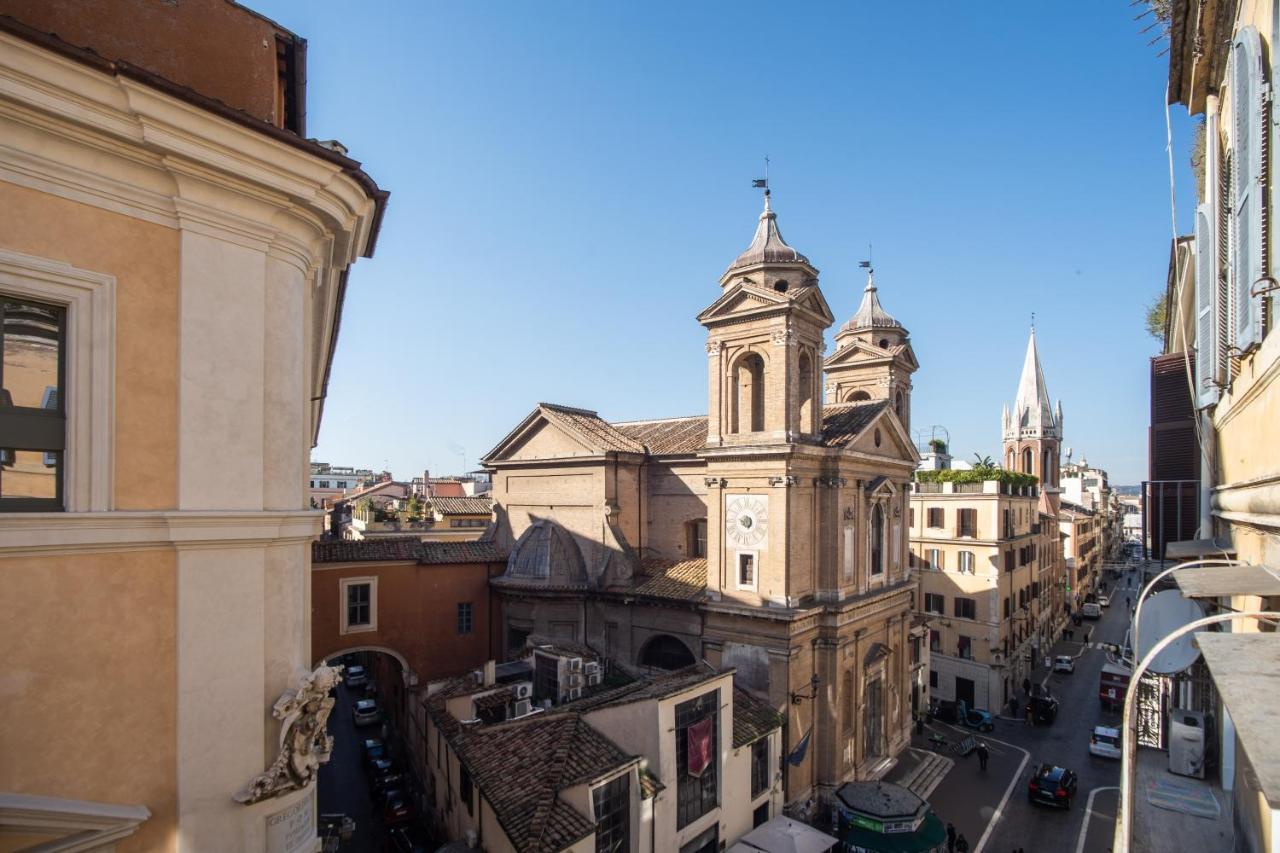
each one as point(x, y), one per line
point(1091, 610)
point(1044, 708)
point(366, 712)
point(337, 825)
point(397, 807)
point(407, 839)
point(1104, 601)
point(355, 676)
point(961, 714)
point(375, 767)
point(374, 749)
point(1054, 786)
point(388, 779)
point(1105, 742)
point(1064, 663)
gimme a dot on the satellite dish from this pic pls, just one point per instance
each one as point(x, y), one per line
point(1162, 614)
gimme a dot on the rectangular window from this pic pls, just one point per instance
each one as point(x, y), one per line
point(1009, 561)
point(746, 571)
point(967, 522)
point(464, 617)
point(936, 515)
point(934, 603)
point(935, 640)
point(935, 558)
point(913, 516)
point(706, 842)
point(1008, 524)
point(760, 815)
point(697, 757)
point(964, 647)
point(464, 786)
point(1006, 608)
point(33, 420)
point(759, 767)
point(966, 561)
point(698, 538)
point(359, 605)
point(612, 804)
point(966, 608)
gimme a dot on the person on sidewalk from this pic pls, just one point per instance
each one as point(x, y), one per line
point(962, 844)
point(951, 838)
point(983, 755)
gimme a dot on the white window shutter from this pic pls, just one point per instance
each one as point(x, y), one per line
point(1206, 324)
point(1247, 108)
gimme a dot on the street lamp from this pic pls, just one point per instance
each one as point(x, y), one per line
point(799, 696)
point(1128, 734)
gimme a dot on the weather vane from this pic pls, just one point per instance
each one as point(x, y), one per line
point(866, 265)
point(763, 183)
point(1033, 321)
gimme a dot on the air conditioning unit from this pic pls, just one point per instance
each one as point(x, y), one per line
point(575, 664)
point(574, 679)
point(591, 668)
point(523, 689)
point(575, 693)
point(522, 708)
point(594, 678)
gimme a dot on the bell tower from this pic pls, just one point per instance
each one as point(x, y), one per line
point(1033, 431)
point(873, 358)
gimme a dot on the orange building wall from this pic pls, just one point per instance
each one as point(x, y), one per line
point(416, 614)
point(143, 257)
point(88, 699)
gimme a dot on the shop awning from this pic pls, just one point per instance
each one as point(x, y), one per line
point(784, 835)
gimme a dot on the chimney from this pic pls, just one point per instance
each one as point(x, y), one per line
point(490, 673)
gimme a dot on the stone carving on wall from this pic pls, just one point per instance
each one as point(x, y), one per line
point(304, 743)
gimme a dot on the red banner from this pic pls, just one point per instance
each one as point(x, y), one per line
point(699, 746)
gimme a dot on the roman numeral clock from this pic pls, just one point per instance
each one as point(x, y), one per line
point(746, 521)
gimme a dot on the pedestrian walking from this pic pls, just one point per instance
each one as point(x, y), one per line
point(1026, 686)
point(983, 755)
point(951, 838)
point(962, 844)
point(1030, 718)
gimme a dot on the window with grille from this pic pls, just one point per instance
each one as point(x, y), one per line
point(934, 603)
point(359, 605)
point(612, 804)
point(759, 767)
point(32, 418)
point(966, 608)
point(967, 522)
point(936, 517)
point(696, 794)
point(464, 617)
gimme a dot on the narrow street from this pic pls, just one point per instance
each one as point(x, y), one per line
point(342, 786)
point(990, 808)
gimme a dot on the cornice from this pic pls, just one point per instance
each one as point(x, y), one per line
point(52, 533)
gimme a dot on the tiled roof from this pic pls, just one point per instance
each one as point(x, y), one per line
point(589, 426)
point(655, 687)
point(496, 699)
point(446, 489)
point(668, 435)
point(521, 767)
point(752, 718)
point(684, 580)
point(398, 548)
point(568, 648)
point(841, 424)
point(375, 488)
point(462, 506)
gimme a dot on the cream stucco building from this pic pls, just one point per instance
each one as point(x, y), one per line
point(768, 536)
point(173, 257)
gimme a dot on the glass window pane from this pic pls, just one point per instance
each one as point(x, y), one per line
point(29, 474)
point(30, 335)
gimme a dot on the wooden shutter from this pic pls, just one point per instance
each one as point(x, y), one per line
point(1247, 109)
point(1206, 393)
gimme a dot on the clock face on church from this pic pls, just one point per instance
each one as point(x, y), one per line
point(746, 520)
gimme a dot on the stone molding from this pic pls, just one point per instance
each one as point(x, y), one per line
point(87, 825)
point(51, 533)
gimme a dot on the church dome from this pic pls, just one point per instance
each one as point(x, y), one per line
point(547, 552)
point(870, 314)
point(767, 246)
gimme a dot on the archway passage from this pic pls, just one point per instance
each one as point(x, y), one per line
point(665, 652)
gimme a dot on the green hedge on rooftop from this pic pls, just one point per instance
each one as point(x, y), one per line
point(977, 475)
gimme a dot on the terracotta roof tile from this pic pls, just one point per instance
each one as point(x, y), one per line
point(842, 424)
point(752, 718)
point(591, 427)
point(462, 506)
point(398, 548)
point(683, 580)
point(668, 435)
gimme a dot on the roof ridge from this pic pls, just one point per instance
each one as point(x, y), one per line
point(655, 420)
point(574, 410)
point(560, 756)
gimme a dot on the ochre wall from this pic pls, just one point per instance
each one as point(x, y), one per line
point(416, 614)
point(88, 697)
point(143, 257)
point(211, 46)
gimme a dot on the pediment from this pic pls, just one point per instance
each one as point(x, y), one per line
point(743, 298)
point(537, 437)
point(861, 352)
point(816, 303)
point(894, 441)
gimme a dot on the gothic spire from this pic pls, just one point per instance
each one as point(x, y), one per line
point(1032, 408)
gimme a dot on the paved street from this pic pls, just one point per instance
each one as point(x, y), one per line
point(342, 781)
point(970, 800)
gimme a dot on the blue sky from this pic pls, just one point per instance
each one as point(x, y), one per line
point(570, 179)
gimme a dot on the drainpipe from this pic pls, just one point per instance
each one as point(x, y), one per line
point(1207, 444)
point(1207, 435)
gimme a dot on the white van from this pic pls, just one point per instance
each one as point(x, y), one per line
point(1091, 610)
point(1105, 742)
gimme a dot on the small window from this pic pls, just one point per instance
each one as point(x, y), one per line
point(697, 535)
point(966, 608)
point(935, 559)
point(935, 603)
point(464, 617)
point(1006, 607)
point(32, 354)
point(884, 343)
point(612, 805)
point(877, 436)
point(966, 561)
point(760, 815)
point(759, 767)
point(967, 522)
point(964, 647)
point(933, 678)
point(780, 285)
point(746, 571)
point(937, 517)
point(359, 605)
point(935, 640)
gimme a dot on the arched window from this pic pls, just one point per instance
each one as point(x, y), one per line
point(1027, 461)
point(857, 397)
point(806, 393)
point(877, 540)
point(899, 408)
point(748, 395)
point(665, 652)
point(1046, 469)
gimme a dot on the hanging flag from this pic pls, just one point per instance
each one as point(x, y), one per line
point(797, 754)
point(699, 746)
point(761, 183)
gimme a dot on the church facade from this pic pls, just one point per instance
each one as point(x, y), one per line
point(768, 536)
